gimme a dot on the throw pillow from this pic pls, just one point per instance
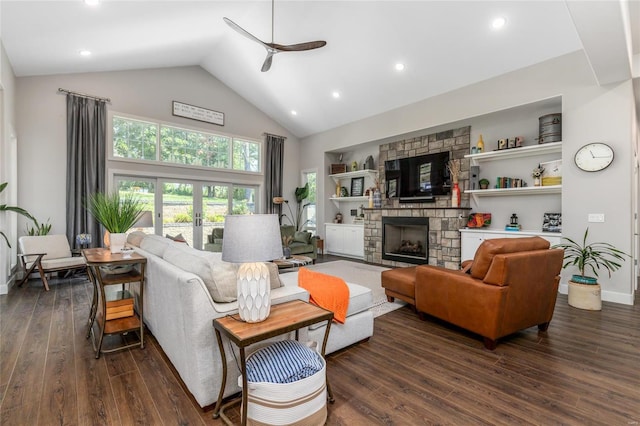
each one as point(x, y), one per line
point(178, 238)
point(135, 238)
point(274, 275)
point(219, 277)
point(286, 361)
point(302, 237)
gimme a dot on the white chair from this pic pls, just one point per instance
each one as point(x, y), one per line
point(49, 253)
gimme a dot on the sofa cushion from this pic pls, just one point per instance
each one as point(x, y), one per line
point(218, 276)
point(489, 248)
point(135, 238)
point(155, 244)
point(302, 237)
point(299, 248)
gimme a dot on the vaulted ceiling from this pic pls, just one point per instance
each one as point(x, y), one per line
point(444, 45)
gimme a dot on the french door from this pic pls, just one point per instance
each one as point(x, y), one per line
point(189, 208)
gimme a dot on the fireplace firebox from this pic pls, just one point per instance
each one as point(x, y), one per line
point(405, 239)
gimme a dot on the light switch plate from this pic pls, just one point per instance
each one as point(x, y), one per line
point(596, 217)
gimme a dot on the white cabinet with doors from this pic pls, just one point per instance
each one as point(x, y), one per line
point(470, 239)
point(344, 240)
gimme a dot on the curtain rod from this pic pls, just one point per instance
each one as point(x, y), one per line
point(277, 136)
point(98, 98)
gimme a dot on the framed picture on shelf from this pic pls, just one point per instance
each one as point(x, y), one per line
point(357, 187)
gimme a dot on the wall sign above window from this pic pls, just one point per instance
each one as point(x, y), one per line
point(197, 113)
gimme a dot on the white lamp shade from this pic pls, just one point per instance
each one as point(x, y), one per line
point(251, 238)
point(145, 220)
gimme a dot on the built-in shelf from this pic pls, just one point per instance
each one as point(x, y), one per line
point(527, 190)
point(525, 151)
point(338, 200)
point(358, 173)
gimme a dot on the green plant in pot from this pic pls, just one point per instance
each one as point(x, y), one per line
point(15, 209)
point(584, 290)
point(484, 183)
point(117, 214)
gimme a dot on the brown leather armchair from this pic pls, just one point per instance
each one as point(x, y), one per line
point(511, 285)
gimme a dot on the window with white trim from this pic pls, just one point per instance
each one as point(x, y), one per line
point(156, 141)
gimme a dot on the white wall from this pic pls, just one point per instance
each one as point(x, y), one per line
point(590, 113)
point(8, 169)
point(41, 126)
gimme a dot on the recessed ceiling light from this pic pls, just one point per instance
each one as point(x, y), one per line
point(336, 94)
point(92, 2)
point(84, 52)
point(294, 112)
point(399, 67)
point(498, 23)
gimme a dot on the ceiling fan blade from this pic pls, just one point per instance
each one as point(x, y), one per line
point(297, 47)
point(244, 32)
point(266, 66)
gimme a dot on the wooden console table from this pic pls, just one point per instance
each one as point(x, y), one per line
point(98, 258)
point(284, 318)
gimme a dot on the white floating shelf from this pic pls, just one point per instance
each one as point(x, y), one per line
point(527, 190)
point(525, 151)
point(358, 173)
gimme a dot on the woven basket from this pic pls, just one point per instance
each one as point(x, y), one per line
point(299, 403)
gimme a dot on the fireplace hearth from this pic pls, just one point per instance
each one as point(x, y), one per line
point(405, 239)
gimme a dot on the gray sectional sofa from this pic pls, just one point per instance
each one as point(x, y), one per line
point(179, 306)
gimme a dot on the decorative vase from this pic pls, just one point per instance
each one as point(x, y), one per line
point(536, 181)
point(117, 242)
point(287, 252)
point(254, 287)
point(480, 144)
point(377, 199)
point(455, 195)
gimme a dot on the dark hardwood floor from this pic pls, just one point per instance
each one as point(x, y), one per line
point(584, 370)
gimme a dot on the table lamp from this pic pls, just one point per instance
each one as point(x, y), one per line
point(145, 220)
point(251, 240)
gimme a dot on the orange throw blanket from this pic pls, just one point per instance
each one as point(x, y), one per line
point(326, 291)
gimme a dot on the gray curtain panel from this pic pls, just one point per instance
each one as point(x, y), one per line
point(273, 172)
point(86, 152)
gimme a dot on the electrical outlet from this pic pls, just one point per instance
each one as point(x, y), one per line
point(596, 217)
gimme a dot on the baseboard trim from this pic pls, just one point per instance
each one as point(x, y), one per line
point(607, 296)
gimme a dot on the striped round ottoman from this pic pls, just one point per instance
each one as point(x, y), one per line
point(287, 385)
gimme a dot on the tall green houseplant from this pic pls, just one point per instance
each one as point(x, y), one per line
point(584, 290)
point(6, 208)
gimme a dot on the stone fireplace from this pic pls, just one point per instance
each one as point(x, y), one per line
point(443, 238)
point(405, 239)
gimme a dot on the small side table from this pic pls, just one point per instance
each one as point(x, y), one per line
point(100, 257)
point(320, 245)
point(284, 318)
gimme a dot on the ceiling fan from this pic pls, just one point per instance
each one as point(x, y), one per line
point(273, 48)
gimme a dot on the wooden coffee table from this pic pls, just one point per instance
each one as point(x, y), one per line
point(294, 261)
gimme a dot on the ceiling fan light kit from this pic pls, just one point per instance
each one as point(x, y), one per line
point(273, 48)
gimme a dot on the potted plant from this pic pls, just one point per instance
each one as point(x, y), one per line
point(537, 175)
point(584, 290)
point(484, 183)
point(117, 214)
point(301, 194)
point(6, 208)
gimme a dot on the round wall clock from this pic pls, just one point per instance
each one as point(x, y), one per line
point(594, 157)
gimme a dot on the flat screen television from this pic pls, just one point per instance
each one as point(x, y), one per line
point(418, 179)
